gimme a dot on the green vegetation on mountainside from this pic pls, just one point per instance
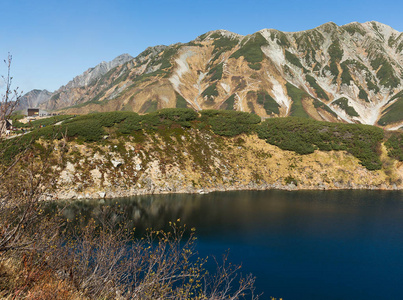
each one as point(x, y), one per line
point(336, 54)
point(385, 72)
point(181, 102)
point(44, 122)
point(229, 103)
point(216, 72)
point(297, 95)
point(251, 50)
point(264, 99)
point(304, 136)
point(318, 90)
point(210, 92)
point(292, 58)
point(318, 104)
point(343, 104)
point(354, 28)
point(363, 95)
point(229, 123)
point(280, 37)
point(395, 146)
point(393, 113)
point(300, 135)
point(222, 44)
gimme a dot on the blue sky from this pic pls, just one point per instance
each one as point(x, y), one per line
point(53, 41)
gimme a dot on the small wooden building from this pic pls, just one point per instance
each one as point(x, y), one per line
point(33, 112)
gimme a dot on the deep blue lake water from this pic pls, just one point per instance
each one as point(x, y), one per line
point(300, 245)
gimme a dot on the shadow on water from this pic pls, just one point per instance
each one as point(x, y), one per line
point(300, 245)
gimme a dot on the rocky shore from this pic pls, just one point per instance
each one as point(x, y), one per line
point(200, 164)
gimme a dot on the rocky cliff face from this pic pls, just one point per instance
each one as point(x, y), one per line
point(66, 95)
point(350, 73)
point(193, 161)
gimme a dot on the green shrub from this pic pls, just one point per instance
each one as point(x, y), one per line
point(11, 148)
point(130, 124)
point(106, 119)
point(88, 128)
point(304, 136)
point(255, 66)
point(282, 39)
point(395, 146)
point(229, 123)
point(167, 117)
point(334, 70)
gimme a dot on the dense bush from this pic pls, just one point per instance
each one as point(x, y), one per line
point(304, 136)
point(335, 51)
point(107, 119)
point(130, 124)
point(168, 116)
point(395, 146)
point(229, 123)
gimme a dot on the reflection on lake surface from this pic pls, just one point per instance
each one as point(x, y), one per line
point(300, 245)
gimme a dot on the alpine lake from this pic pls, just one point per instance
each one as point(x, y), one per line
point(299, 245)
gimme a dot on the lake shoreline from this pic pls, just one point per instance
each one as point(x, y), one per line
point(110, 194)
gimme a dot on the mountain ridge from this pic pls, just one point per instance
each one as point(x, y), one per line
point(349, 73)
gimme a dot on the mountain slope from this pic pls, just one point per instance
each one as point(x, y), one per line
point(349, 73)
point(33, 99)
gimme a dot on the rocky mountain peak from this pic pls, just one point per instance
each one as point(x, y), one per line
point(33, 99)
point(214, 34)
point(96, 72)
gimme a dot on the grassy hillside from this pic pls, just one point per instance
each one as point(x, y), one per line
point(300, 135)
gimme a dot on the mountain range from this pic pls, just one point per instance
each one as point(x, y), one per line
point(351, 73)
